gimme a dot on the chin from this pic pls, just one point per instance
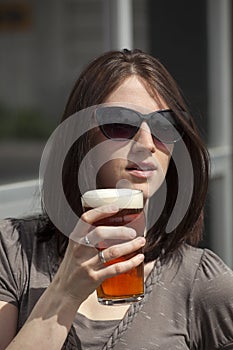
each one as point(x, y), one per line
point(148, 189)
point(145, 190)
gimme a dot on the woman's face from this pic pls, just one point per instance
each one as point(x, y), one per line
point(141, 162)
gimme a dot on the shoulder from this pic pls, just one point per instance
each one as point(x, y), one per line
point(212, 289)
point(19, 233)
point(10, 233)
point(16, 243)
point(209, 273)
point(203, 262)
point(211, 299)
point(24, 260)
point(212, 272)
point(24, 226)
point(14, 229)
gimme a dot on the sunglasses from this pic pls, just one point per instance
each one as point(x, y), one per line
point(121, 123)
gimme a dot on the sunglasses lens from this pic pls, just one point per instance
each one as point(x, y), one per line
point(119, 131)
point(117, 122)
point(165, 128)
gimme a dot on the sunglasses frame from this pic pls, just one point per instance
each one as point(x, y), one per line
point(160, 115)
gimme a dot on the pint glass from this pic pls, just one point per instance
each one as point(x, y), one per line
point(129, 286)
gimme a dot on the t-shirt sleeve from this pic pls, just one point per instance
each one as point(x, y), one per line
point(11, 263)
point(212, 305)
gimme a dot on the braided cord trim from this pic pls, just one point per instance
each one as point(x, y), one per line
point(152, 279)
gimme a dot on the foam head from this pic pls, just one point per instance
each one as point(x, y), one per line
point(123, 198)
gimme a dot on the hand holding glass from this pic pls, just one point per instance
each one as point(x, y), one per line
point(126, 287)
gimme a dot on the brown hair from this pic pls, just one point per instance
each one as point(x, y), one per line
point(95, 83)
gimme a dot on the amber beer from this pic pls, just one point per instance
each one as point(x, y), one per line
point(129, 286)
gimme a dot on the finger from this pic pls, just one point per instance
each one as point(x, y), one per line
point(85, 223)
point(107, 234)
point(96, 214)
point(120, 267)
point(88, 218)
point(120, 250)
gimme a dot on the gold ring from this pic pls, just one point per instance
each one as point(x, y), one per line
point(101, 257)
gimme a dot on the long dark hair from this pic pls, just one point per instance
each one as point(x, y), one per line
point(96, 82)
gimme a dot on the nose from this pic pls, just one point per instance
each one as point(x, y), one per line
point(144, 139)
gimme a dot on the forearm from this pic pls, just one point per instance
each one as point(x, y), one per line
point(48, 323)
point(79, 274)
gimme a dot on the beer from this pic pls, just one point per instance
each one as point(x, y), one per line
point(126, 287)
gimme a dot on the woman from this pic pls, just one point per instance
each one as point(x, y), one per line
point(48, 281)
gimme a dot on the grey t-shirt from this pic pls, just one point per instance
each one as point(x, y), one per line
point(187, 305)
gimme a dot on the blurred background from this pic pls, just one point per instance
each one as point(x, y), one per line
point(44, 46)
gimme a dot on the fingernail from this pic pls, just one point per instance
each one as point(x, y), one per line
point(113, 208)
point(132, 233)
point(142, 240)
point(141, 257)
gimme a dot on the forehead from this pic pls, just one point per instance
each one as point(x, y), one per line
point(132, 91)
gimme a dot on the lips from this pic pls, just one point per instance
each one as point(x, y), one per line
point(141, 169)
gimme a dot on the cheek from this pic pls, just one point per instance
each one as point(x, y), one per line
point(163, 147)
point(155, 183)
point(163, 156)
point(108, 158)
point(163, 153)
point(164, 163)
